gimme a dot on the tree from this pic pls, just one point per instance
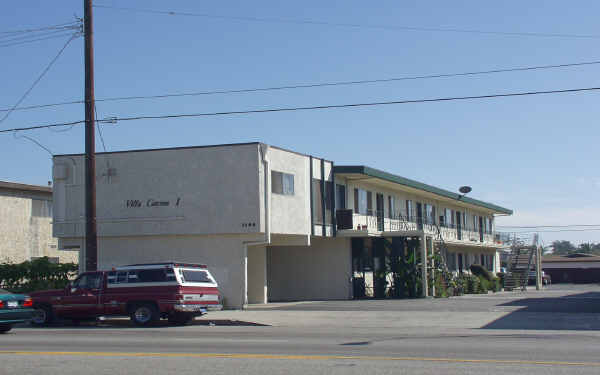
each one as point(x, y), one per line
point(563, 247)
point(587, 248)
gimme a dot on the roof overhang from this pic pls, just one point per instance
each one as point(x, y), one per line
point(375, 176)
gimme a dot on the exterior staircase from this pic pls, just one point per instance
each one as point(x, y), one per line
point(520, 264)
point(441, 249)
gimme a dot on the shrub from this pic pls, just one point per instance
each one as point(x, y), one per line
point(37, 274)
point(479, 270)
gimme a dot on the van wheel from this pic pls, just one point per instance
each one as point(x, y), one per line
point(5, 328)
point(145, 314)
point(180, 319)
point(43, 315)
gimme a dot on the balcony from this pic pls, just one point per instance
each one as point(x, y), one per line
point(373, 223)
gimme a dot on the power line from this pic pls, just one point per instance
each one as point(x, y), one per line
point(316, 85)
point(548, 226)
point(560, 230)
point(350, 25)
point(17, 38)
point(290, 109)
point(66, 25)
point(34, 40)
point(40, 77)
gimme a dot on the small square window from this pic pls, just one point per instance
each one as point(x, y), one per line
point(282, 183)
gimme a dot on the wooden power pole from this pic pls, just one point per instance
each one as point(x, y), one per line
point(91, 240)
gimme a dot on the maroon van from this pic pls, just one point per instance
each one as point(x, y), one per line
point(144, 292)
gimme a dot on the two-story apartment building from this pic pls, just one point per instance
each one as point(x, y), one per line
point(26, 224)
point(272, 224)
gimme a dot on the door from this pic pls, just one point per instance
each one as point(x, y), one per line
point(460, 262)
point(480, 229)
point(83, 298)
point(379, 203)
point(419, 216)
point(458, 226)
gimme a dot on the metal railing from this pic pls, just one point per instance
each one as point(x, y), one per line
point(375, 221)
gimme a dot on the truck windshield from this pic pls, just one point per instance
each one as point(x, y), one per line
point(195, 276)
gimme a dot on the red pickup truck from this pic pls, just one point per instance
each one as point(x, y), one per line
point(145, 292)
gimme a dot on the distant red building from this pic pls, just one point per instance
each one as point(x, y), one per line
point(577, 268)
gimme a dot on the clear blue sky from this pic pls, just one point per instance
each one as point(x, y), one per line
point(536, 155)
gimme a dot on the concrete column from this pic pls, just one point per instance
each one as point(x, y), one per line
point(424, 265)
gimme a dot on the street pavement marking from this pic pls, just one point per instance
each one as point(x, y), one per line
point(300, 357)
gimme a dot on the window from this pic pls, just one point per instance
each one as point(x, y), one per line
point(194, 276)
point(340, 197)
point(319, 199)
point(391, 207)
point(429, 214)
point(360, 201)
point(151, 276)
point(475, 224)
point(88, 281)
point(451, 258)
point(409, 210)
point(370, 204)
point(448, 217)
point(282, 183)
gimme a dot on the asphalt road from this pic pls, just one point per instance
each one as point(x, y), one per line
point(556, 331)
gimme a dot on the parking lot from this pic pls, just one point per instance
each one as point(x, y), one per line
point(556, 330)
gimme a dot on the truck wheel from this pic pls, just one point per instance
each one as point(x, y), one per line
point(145, 314)
point(43, 315)
point(5, 328)
point(181, 319)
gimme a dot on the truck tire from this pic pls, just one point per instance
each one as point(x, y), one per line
point(181, 319)
point(5, 328)
point(144, 314)
point(43, 315)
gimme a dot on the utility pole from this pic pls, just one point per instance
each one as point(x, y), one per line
point(91, 240)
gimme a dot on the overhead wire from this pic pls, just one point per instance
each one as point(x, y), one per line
point(316, 85)
point(547, 226)
point(51, 27)
point(39, 78)
point(5, 45)
point(350, 25)
point(318, 107)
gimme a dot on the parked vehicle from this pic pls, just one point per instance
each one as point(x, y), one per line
point(545, 278)
point(144, 292)
point(14, 308)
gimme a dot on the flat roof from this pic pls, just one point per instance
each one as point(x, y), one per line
point(375, 173)
point(570, 259)
point(25, 187)
point(196, 147)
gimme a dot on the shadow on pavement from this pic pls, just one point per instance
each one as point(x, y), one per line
point(571, 312)
point(127, 324)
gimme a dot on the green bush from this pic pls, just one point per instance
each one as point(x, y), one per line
point(38, 274)
point(481, 271)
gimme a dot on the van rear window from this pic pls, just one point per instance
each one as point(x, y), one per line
point(195, 276)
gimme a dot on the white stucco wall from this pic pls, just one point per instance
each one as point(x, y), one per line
point(205, 190)
point(290, 214)
point(321, 271)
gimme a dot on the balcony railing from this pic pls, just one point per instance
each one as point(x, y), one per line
point(374, 221)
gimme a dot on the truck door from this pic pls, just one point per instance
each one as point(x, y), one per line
point(83, 299)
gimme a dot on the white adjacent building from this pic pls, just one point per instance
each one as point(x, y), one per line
point(26, 224)
point(272, 224)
